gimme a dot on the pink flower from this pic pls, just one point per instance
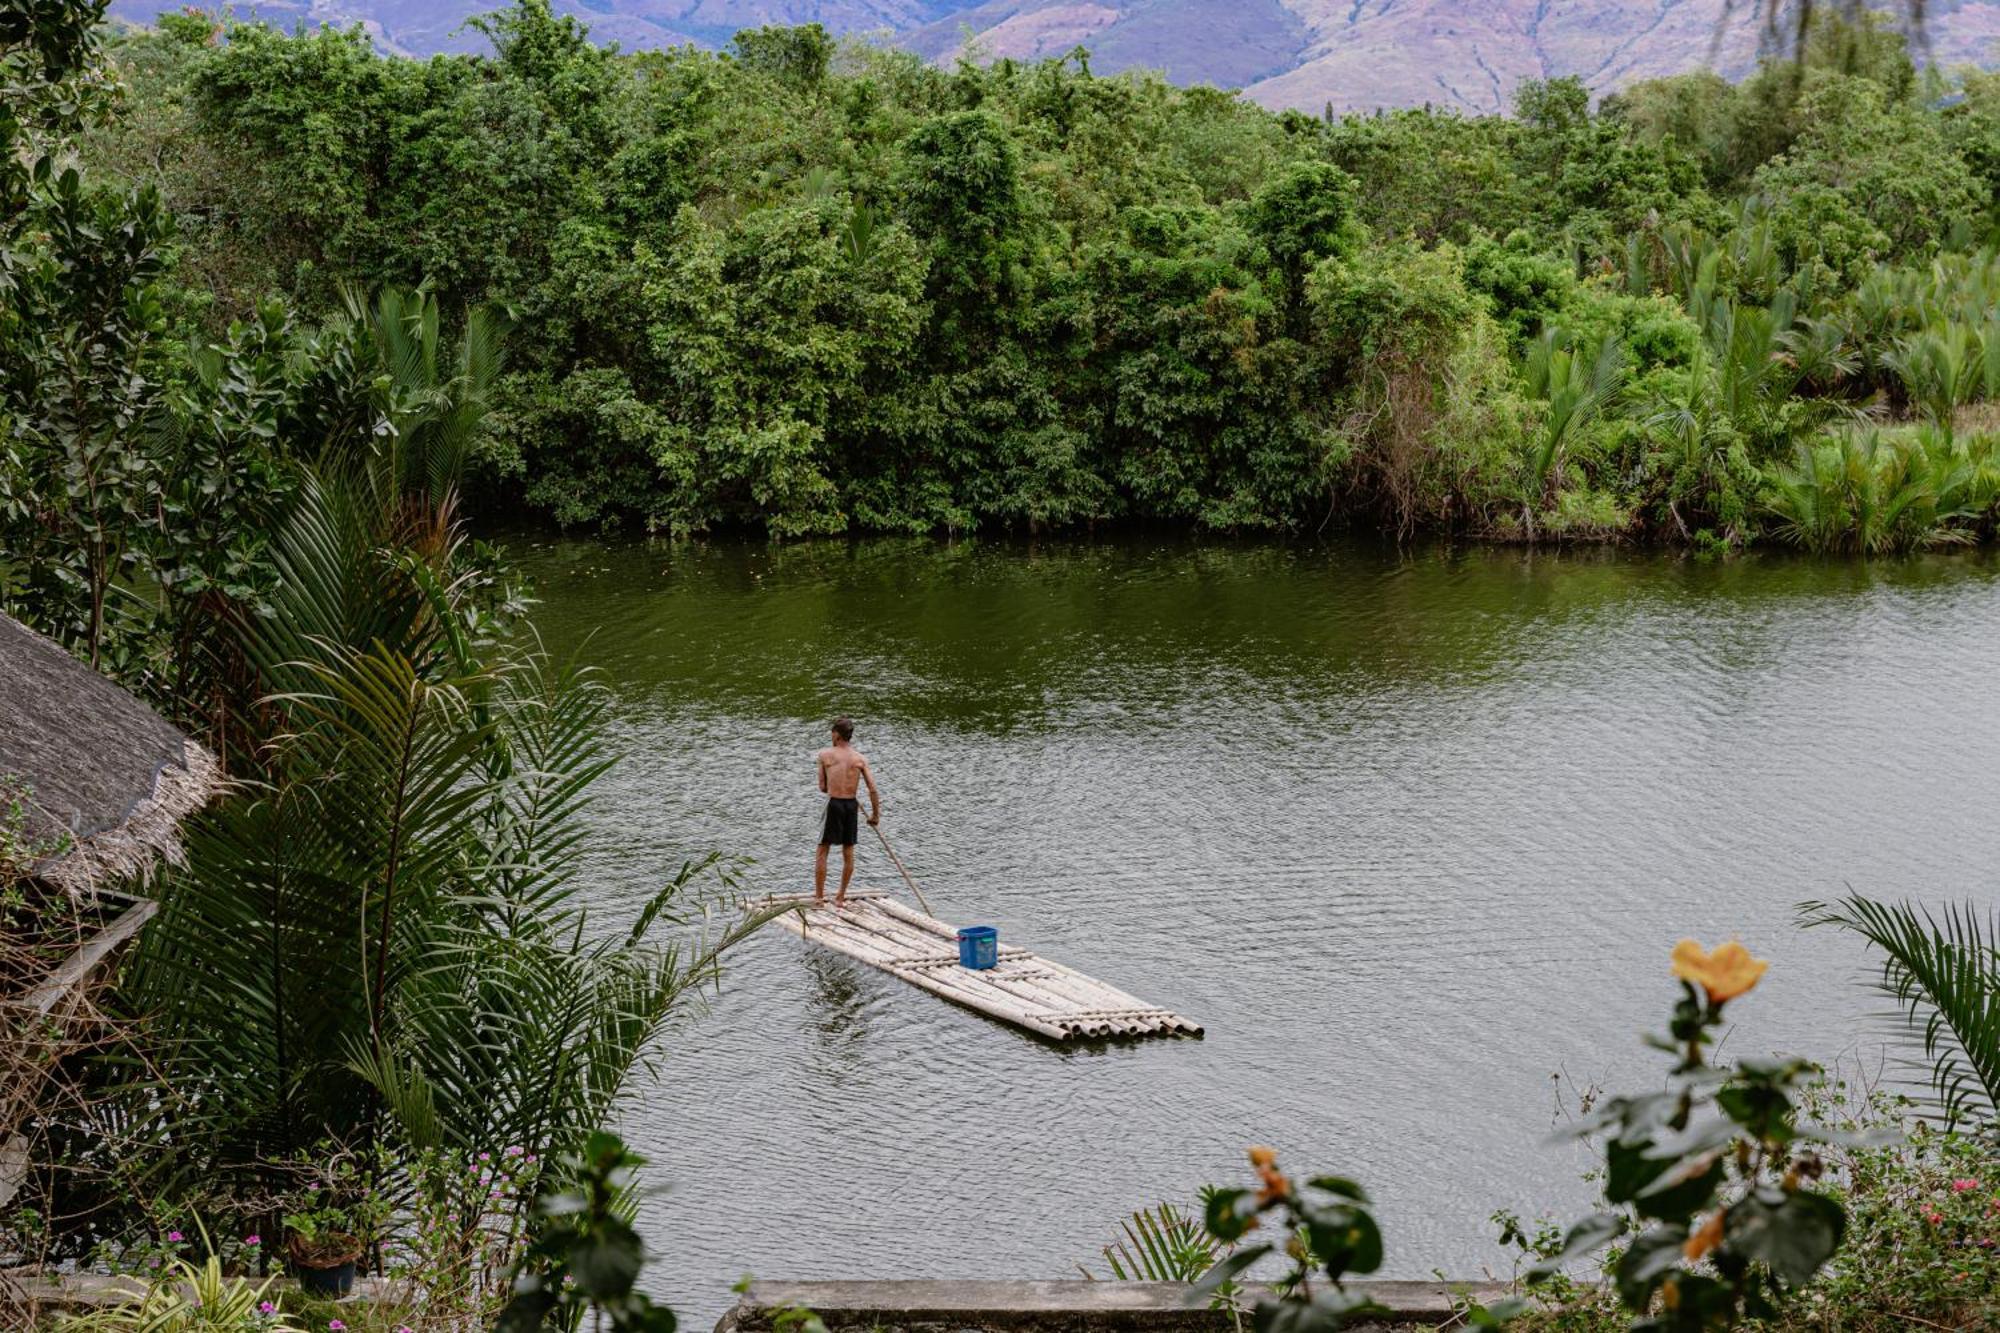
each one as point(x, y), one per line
point(1964, 1186)
point(174, 1237)
point(486, 1157)
point(516, 1150)
point(335, 1326)
point(266, 1307)
point(253, 1240)
point(1933, 1216)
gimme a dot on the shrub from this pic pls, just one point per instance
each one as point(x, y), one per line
point(190, 1299)
point(1870, 492)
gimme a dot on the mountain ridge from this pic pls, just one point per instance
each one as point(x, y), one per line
point(1343, 55)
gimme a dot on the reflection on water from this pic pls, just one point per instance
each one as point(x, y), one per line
point(838, 1010)
point(1407, 833)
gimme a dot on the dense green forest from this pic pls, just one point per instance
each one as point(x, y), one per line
point(816, 287)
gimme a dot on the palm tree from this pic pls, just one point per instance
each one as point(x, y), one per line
point(1821, 357)
point(1755, 374)
point(379, 939)
point(1942, 970)
point(1938, 367)
point(1577, 389)
point(1696, 455)
point(1868, 493)
point(1159, 1244)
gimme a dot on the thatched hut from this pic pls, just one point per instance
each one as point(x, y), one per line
point(93, 783)
point(93, 787)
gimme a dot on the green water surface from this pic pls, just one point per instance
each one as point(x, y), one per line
point(1410, 833)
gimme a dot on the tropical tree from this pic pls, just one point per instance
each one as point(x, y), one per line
point(1867, 493)
point(1870, 178)
point(378, 941)
point(1394, 325)
point(1938, 368)
point(49, 86)
point(1578, 385)
point(1941, 969)
point(1697, 452)
point(1303, 216)
point(82, 353)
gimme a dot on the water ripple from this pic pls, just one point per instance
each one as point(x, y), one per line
point(1407, 833)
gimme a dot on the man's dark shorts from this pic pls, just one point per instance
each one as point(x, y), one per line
point(843, 821)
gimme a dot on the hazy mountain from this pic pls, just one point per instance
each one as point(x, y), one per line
point(1350, 54)
point(1361, 54)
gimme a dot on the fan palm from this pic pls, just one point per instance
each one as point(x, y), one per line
point(1942, 970)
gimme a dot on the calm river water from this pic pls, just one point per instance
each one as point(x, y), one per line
point(1409, 834)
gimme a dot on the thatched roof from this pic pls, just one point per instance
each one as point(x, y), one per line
point(103, 780)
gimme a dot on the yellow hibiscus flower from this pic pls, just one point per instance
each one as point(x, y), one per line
point(1725, 974)
point(1707, 1238)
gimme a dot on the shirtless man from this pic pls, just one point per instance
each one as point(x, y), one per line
point(842, 770)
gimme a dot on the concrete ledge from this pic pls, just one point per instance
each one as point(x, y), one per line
point(32, 1289)
point(1053, 1307)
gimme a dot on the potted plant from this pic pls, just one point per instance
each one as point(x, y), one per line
point(331, 1219)
point(324, 1243)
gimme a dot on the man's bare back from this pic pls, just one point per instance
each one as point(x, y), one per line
point(842, 770)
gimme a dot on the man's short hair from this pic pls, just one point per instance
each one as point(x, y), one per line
point(843, 728)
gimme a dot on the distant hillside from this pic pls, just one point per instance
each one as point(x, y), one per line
point(1348, 54)
point(1356, 55)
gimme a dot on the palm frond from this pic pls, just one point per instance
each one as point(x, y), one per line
point(1159, 1244)
point(1942, 970)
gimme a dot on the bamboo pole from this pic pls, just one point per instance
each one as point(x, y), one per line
point(920, 920)
point(898, 861)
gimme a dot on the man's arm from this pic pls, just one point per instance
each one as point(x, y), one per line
point(819, 763)
point(874, 797)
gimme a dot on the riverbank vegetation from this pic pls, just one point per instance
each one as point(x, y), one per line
point(370, 1010)
point(813, 287)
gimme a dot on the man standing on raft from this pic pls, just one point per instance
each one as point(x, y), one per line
point(842, 770)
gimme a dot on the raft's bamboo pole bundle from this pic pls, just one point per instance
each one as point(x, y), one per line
point(1025, 990)
point(892, 952)
point(1073, 1000)
point(855, 940)
point(983, 999)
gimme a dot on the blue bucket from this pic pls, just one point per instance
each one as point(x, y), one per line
point(978, 946)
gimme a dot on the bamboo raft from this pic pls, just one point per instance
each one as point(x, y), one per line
point(1029, 992)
